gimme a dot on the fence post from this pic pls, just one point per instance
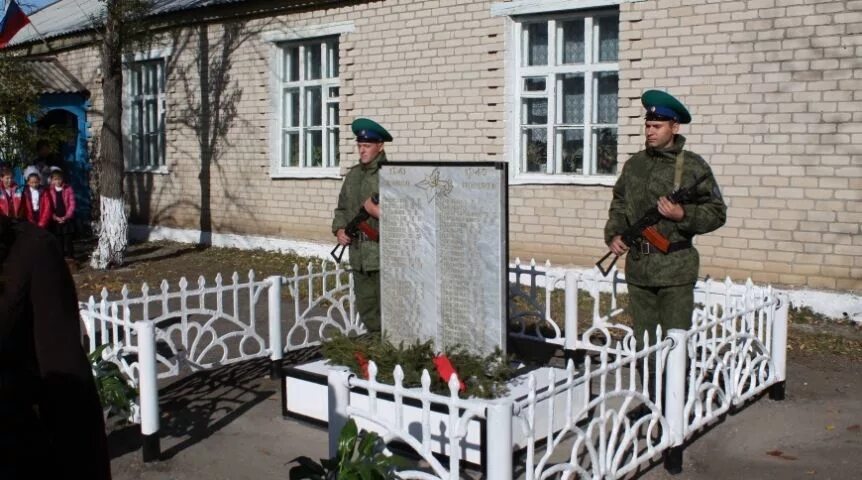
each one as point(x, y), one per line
point(571, 306)
point(571, 317)
point(149, 390)
point(88, 317)
point(276, 347)
point(674, 405)
point(339, 399)
point(499, 438)
point(778, 349)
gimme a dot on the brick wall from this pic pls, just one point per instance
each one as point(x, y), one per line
point(776, 90)
point(774, 87)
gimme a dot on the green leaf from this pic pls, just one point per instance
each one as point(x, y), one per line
point(366, 445)
point(366, 472)
point(347, 440)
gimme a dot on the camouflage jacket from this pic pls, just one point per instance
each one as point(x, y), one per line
point(646, 176)
point(359, 184)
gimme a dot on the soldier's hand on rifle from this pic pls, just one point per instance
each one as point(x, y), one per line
point(372, 208)
point(670, 210)
point(343, 238)
point(618, 246)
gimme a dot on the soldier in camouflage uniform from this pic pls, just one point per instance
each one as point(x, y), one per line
point(360, 189)
point(661, 285)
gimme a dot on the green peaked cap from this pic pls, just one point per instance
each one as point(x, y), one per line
point(367, 130)
point(665, 105)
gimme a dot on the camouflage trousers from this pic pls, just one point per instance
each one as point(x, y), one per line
point(366, 287)
point(669, 307)
point(650, 307)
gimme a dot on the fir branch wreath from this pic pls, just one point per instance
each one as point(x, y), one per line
point(483, 376)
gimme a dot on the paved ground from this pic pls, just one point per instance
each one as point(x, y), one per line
point(813, 434)
point(228, 425)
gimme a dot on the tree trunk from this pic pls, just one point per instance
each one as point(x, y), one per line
point(113, 225)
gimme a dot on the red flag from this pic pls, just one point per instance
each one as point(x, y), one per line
point(14, 20)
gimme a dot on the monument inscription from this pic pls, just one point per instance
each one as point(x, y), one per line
point(443, 254)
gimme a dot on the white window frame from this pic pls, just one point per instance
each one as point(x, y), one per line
point(302, 37)
point(525, 12)
point(129, 63)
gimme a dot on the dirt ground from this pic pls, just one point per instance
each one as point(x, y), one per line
point(227, 423)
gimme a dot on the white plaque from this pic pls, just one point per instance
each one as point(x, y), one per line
point(443, 254)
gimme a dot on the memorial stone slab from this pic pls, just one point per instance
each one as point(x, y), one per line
point(443, 253)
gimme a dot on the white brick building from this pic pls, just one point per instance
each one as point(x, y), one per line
point(552, 87)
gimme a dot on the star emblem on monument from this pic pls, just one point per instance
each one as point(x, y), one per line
point(434, 186)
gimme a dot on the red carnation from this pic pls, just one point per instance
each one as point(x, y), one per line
point(445, 370)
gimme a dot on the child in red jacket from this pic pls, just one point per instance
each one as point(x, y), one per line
point(37, 206)
point(10, 197)
point(62, 211)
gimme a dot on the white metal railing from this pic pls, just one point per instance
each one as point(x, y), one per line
point(197, 326)
point(326, 306)
point(734, 351)
point(158, 334)
point(530, 312)
point(598, 433)
point(396, 423)
point(606, 419)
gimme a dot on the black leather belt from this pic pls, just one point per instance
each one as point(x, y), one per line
point(647, 248)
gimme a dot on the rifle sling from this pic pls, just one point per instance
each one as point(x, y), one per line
point(677, 172)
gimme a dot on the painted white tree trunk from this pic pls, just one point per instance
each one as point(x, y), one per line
point(113, 234)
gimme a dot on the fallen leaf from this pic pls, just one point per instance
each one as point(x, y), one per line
point(830, 427)
point(781, 455)
point(854, 428)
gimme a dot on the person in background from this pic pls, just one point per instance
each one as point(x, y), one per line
point(51, 421)
point(62, 199)
point(37, 206)
point(10, 195)
point(45, 159)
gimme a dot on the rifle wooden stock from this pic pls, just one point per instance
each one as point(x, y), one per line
point(655, 237)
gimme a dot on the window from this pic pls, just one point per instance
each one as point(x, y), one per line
point(146, 114)
point(309, 93)
point(567, 94)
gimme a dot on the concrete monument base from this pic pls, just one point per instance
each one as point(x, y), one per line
point(304, 396)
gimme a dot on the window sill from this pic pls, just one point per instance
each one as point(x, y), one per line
point(540, 179)
point(306, 173)
point(156, 170)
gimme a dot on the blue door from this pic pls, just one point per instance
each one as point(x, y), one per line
point(69, 110)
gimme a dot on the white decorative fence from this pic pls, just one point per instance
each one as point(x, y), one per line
point(625, 407)
point(157, 334)
point(598, 419)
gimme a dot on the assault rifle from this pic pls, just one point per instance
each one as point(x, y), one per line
point(358, 225)
point(645, 227)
